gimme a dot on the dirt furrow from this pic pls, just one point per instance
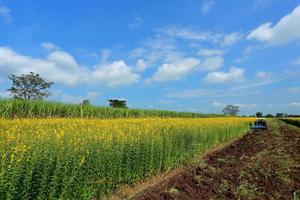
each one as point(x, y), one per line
point(261, 165)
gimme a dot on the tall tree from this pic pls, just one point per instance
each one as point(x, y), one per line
point(86, 102)
point(29, 86)
point(231, 110)
point(259, 114)
point(117, 103)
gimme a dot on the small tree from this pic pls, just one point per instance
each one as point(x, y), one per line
point(117, 103)
point(279, 115)
point(29, 86)
point(259, 114)
point(269, 116)
point(231, 110)
point(86, 102)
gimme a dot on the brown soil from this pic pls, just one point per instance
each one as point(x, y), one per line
point(261, 165)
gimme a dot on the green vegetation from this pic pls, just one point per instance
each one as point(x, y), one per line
point(14, 108)
point(292, 121)
point(87, 158)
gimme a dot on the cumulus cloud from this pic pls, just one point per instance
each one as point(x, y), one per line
point(114, 74)
point(176, 70)
point(231, 39)
point(61, 67)
point(207, 6)
point(234, 74)
point(285, 31)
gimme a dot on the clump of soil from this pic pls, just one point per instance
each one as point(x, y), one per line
point(261, 165)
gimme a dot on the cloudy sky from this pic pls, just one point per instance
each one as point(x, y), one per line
point(187, 55)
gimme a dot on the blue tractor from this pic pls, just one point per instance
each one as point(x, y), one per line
point(259, 124)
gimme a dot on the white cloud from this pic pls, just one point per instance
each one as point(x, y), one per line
point(187, 33)
point(114, 74)
point(136, 53)
point(285, 31)
point(207, 6)
point(234, 74)
point(105, 54)
point(264, 75)
point(61, 67)
point(176, 70)
point(241, 105)
point(190, 34)
point(193, 93)
point(231, 39)
point(4, 94)
point(62, 58)
point(67, 98)
point(92, 95)
point(5, 14)
point(286, 105)
point(212, 59)
point(49, 46)
point(255, 84)
point(210, 52)
point(292, 90)
point(296, 61)
point(262, 3)
point(295, 104)
point(141, 65)
point(137, 22)
point(212, 63)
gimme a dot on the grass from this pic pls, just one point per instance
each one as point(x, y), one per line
point(12, 108)
point(87, 158)
point(292, 121)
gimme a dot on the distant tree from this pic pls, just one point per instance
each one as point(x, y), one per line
point(259, 114)
point(269, 116)
point(29, 86)
point(231, 110)
point(117, 103)
point(86, 102)
point(279, 114)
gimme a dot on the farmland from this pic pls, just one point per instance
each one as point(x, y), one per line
point(293, 121)
point(263, 164)
point(58, 158)
point(15, 108)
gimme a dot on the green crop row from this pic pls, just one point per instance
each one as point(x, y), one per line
point(13, 108)
point(292, 121)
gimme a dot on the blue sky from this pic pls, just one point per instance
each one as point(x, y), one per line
point(185, 55)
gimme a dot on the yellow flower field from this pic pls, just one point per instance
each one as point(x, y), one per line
point(86, 158)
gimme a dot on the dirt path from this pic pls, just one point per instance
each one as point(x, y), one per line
point(261, 165)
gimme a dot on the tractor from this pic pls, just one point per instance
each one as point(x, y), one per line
point(259, 124)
